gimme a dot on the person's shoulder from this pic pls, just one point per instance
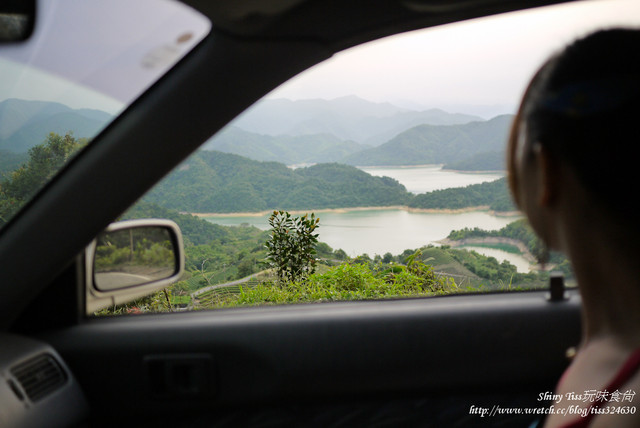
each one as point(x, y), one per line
point(619, 416)
point(623, 401)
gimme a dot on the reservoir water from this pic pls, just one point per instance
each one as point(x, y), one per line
point(378, 231)
point(427, 178)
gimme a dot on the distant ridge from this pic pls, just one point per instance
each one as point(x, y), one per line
point(429, 144)
point(349, 118)
point(26, 123)
point(346, 130)
point(287, 149)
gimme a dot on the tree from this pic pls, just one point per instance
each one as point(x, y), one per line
point(245, 267)
point(291, 246)
point(45, 160)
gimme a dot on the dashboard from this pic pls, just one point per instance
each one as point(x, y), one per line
point(37, 389)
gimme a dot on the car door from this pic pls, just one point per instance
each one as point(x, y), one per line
point(424, 362)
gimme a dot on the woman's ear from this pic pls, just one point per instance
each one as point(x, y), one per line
point(547, 175)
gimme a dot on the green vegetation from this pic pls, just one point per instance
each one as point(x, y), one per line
point(522, 232)
point(493, 271)
point(291, 246)
point(25, 123)
point(221, 182)
point(195, 231)
point(429, 271)
point(10, 161)
point(517, 230)
point(213, 253)
point(486, 161)
point(45, 160)
point(414, 273)
point(287, 149)
point(347, 281)
point(430, 144)
point(240, 252)
point(502, 246)
point(162, 301)
point(494, 195)
point(214, 182)
point(473, 271)
point(124, 251)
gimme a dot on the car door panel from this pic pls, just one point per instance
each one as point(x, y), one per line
point(509, 347)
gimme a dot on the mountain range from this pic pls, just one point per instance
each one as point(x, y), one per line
point(349, 118)
point(288, 149)
point(358, 132)
point(25, 123)
point(432, 144)
point(346, 130)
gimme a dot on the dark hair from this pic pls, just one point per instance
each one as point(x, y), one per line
point(583, 105)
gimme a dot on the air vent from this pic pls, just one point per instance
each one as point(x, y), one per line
point(39, 376)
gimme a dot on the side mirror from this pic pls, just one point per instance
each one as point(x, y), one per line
point(17, 19)
point(132, 259)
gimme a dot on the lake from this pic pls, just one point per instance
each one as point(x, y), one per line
point(379, 230)
point(427, 178)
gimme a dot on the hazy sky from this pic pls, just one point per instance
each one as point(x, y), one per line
point(486, 61)
point(481, 62)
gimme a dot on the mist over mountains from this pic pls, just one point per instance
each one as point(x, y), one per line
point(348, 118)
point(288, 149)
point(433, 144)
point(346, 130)
point(25, 123)
point(357, 132)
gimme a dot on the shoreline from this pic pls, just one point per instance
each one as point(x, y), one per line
point(434, 165)
point(484, 208)
point(522, 248)
point(524, 251)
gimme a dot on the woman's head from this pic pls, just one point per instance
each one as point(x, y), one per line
point(581, 111)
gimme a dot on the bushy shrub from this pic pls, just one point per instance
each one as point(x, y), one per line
point(291, 246)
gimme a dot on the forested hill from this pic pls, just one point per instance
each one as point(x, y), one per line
point(212, 181)
point(430, 144)
point(494, 194)
point(215, 182)
point(287, 149)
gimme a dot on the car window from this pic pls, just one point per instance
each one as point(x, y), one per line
point(85, 63)
point(377, 174)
